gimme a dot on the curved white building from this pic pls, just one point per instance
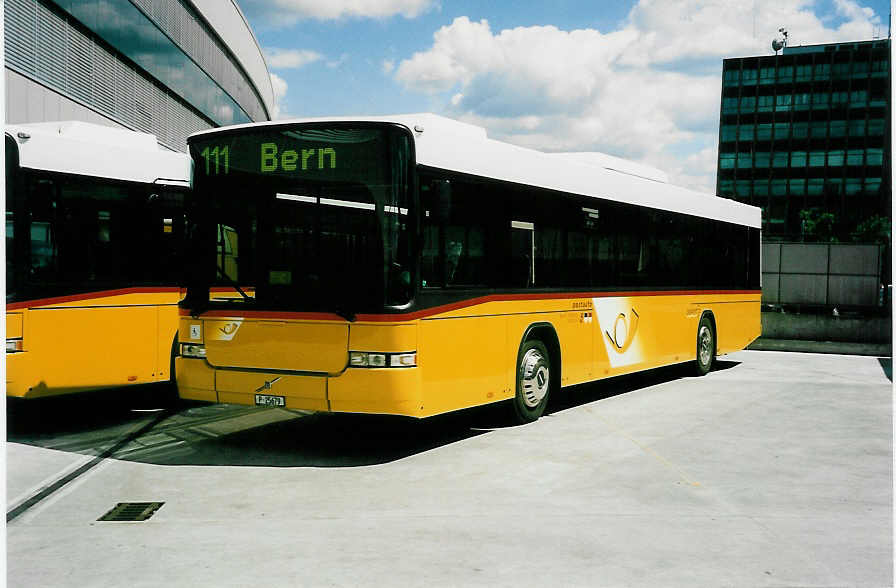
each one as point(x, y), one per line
point(166, 67)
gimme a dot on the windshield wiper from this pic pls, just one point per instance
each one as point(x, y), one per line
point(234, 284)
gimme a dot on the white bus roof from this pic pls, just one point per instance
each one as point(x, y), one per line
point(87, 149)
point(456, 146)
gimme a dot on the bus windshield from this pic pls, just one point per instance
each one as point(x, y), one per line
point(304, 218)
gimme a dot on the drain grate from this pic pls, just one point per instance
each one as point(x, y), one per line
point(132, 511)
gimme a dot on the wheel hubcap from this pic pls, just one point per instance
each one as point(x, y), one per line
point(535, 378)
point(705, 349)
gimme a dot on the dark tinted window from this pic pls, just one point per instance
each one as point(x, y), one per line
point(460, 218)
point(313, 217)
point(490, 234)
point(86, 231)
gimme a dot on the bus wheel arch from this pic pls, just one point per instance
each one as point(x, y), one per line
point(536, 373)
point(707, 344)
point(170, 395)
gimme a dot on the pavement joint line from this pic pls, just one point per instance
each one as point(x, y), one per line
point(31, 514)
point(23, 496)
point(646, 449)
point(80, 471)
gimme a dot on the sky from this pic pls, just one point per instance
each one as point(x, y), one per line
point(639, 80)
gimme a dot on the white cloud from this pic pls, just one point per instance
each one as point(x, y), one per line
point(648, 91)
point(288, 12)
point(388, 66)
point(290, 58)
point(334, 63)
point(280, 88)
point(854, 11)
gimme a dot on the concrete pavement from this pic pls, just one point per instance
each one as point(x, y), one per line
point(773, 470)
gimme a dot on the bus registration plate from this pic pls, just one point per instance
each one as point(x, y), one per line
point(269, 400)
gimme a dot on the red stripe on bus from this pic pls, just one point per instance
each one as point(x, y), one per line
point(89, 296)
point(399, 317)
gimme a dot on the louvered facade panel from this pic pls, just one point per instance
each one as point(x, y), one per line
point(50, 47)
point(79, 65)
point(170, 14)
point(160, 115)
point(144, 5)
point(104, 78)
point(20, 21)
point(187, 31)
point(45, 43)
point(144, 100)
point(125, 108)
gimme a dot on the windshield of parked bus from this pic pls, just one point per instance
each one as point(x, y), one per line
point(308, 217)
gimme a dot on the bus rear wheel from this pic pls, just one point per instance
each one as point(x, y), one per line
point(533, 381)
point(706, 346)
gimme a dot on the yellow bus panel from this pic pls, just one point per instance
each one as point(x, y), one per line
point(465, 356)
point(90, 343)
point(13, 325)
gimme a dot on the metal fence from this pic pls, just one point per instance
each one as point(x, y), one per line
point(821, 274)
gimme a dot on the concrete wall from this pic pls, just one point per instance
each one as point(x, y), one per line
point(810, 327)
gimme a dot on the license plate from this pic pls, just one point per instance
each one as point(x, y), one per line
point(269, 400)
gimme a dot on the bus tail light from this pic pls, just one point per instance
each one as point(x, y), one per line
point(192, 350)
point(371, 359)
point(14, 345)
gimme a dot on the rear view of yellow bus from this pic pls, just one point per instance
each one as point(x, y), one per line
point(94, 225)
point(409, 265)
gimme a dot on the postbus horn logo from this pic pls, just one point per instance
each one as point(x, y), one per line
point(623, 331)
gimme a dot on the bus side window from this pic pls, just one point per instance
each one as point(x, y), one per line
point(431, 260)
point(42, 201)
point(435, 197)
point(228, 252)
point(162, 226)
point(460, 223)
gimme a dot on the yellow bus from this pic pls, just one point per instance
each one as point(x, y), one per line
point(410, 265)
point(94, 228)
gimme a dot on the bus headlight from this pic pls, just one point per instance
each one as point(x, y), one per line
point(372, 359)
point(403, 359)
point(13, 345)
point(192, 350)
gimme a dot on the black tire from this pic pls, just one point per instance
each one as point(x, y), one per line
point(706, 346)
point(168, 395)
point(533, 382)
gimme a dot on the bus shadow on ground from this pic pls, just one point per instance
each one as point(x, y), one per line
point(318, 440)
point(82, 413)
point(347, 440)
point(227, 435)
point(575, 396)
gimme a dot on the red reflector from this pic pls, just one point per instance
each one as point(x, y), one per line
point(132, 378)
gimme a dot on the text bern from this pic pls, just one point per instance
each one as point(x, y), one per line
point(290, 159)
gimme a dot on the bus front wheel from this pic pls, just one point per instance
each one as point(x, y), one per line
point(533, 381)
point(706, 346)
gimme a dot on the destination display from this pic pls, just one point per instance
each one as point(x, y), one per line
point(344, 154)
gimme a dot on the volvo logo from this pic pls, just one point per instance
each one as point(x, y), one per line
point(624, 330)
point(268, 385)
